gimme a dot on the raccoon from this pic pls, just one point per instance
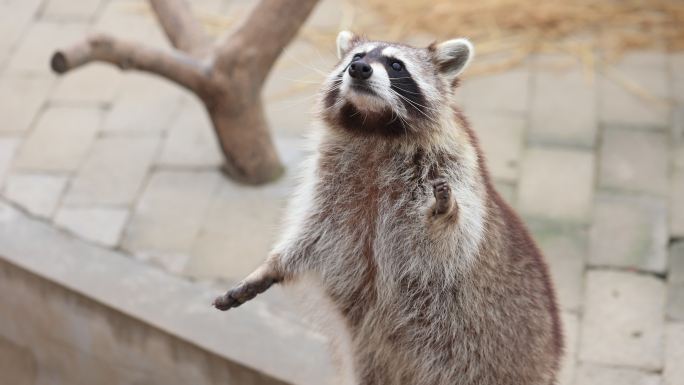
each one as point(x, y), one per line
point(435, 278)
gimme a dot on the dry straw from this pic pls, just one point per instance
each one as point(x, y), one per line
point(507, 32)
point(514, 29)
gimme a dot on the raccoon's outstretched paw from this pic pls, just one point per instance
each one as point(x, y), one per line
point(443, 200)
point(242, 293)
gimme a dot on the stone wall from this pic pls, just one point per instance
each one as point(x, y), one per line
point(52, 335)
point(75, 313)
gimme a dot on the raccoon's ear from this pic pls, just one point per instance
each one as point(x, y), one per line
point(345, 41)
point(452, 56)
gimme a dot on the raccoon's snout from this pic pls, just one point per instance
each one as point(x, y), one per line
point(360, 70)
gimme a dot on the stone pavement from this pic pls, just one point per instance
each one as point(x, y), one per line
point(594, 161)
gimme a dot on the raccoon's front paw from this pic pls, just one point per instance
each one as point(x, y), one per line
point(242, 293)
point(443, 200)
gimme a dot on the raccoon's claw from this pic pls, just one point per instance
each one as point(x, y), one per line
point(443, 201)
point(225, 302)
point(242, 293)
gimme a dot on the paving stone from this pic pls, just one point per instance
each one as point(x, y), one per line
point(94, 83)
point(653, 59)
point(8, 147)
point(130, 20)
point(102, 225)
point(674, 354)
point(281, 120)
point(679, 156)
point(675, 302)
point(629, 231)
point(325, 14)
point(39, 194)
point(677, 204)
point(501, 136)
point(634, 160)
point(114, 171)
point(506, 91)
point(459, 98)
point(60, 140)
point(142, 106)
point(239, 231)
point(565, 249)
point(71, 9)
point(677, 73)
point(591, 374)
point(36, 48)
point(623, 323)
point(15, 18)
point(677, 133)
point(200, 7)
point(508, 191)
point(191, 140)
point(143, 84)
point(242, 221)
point(293, 152)
point(239, 9)
point(556, 183)
point(21, 98)
point(568, 369)
point(169, 216)
point(675, 280)
point(298, 75)
point(676, 262)
point(563, 107)
point(622, 97)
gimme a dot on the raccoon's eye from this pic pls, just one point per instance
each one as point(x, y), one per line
point(397, 66)
point(357, 56)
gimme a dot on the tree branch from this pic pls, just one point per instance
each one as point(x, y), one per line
point(266, 32)
point(183, 30)
point(175, 66)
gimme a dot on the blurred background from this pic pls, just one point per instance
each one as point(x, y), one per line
point(117, 226)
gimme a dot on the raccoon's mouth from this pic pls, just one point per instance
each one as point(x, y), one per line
point(362, 88)
point(364, 97)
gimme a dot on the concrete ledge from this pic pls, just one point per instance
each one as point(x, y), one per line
point(48, 272)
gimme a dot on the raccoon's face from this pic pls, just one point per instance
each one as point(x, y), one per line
point(392, 89)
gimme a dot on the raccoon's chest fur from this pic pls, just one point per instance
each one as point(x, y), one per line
point(373, 212)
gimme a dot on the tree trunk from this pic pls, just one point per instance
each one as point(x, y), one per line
point(250, 155)
point(227, 77)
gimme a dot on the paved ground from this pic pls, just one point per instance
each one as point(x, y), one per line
point(594, 163)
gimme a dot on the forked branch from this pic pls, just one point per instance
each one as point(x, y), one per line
point(183, 30)
point(267, 30)
point(227, 77)
point(173, 65)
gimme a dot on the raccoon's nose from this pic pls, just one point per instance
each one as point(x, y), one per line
point(360, 70)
